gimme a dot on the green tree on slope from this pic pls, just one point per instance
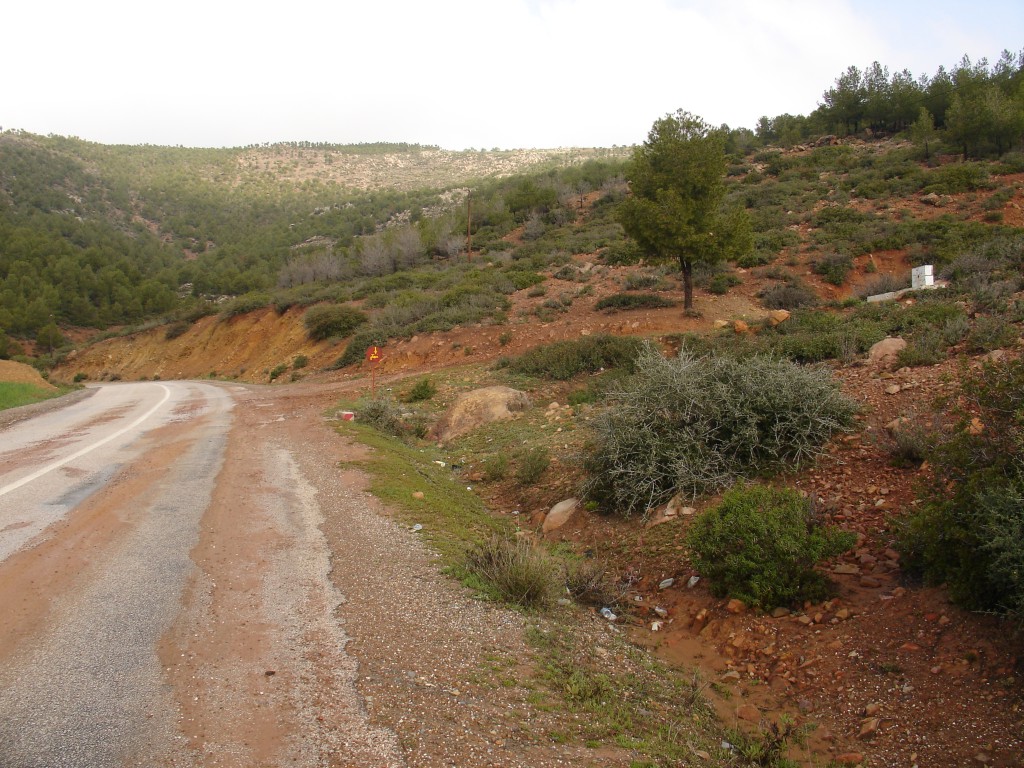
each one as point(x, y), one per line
point(677, 180)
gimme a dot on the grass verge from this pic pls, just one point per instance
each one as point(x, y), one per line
point(453, 517)
point(13, 394)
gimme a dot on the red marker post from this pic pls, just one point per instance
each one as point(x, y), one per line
point(373, 357)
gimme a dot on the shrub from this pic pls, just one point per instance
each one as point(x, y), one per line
point(587, 581)
point(513, 571)
point(791, 294)
point(722, 282)
point(564, 359)
point(958, 177)
point(910, 445)
point(622, 253)
point(755, 258)
point(834, 268)
point(495, 467)
point(531, 465)
point(761, 544)
point(523, 279)
point(358, 345)
point(955, 329)
point(969, 530)
point(244, 304)
point(176, 329)
point(424, 389)
point(325, 321)
point(627, 301)
point(695, 425)
point(277, 371)
point(927, 348)
point(300, 361)
point(640, 281)
point(990, 333)
point(383, 414)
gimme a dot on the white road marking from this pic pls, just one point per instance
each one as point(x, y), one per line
point(88, 449)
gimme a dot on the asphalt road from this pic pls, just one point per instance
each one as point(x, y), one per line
point(100, 504)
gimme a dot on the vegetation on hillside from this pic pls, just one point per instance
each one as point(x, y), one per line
point(94, 236)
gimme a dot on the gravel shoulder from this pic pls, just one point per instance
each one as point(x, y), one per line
point(439, 678)
point(14, 415)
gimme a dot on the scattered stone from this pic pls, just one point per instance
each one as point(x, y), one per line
point(847, 569)
point(418, 495)
point(732, 674)
point(736, 606)
point(932, 199)
point(868, 727)
point(976, 427)
point(719, 324)
point(843, 614)
point(872, 709)
point(870, 582)
point(777, 316)
point(559, 515)
point(666, 583)
point(982, 758)
point(892, 389)
point(675, 508)
point(660, 612)
point(778, 613)
point(739, 326)
point(692, 582)
point(896, 424)
point(805, 620)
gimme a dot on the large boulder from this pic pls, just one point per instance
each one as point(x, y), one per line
point(885, 351)
point(559, 515)
point(481, 406)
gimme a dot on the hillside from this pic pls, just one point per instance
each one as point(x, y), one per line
point(94, 236)
point(280, 265)
point(885, 657)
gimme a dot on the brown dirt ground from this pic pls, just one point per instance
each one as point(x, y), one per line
point(19, 373)
point(925, 682)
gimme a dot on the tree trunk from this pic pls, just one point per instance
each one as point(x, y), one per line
point(686, 267)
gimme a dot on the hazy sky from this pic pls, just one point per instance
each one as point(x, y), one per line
point(457, 73)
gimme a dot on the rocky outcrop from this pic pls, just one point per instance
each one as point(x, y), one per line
point(481, 406)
